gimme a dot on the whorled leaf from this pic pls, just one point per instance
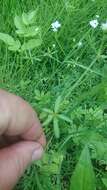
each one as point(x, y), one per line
point(65, 118)
point(48, 120)
point(57, 104)
point(56, 128)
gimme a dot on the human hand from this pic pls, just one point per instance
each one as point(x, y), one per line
point(21, 138)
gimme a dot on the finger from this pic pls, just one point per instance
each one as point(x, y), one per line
point(18, 118)
point(3, 142)
point(7, 140)
point(31, 134)
point(14, 160)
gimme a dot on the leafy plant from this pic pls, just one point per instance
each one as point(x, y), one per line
point(50, 164)
point(60, 68)
point(83, 177)
point(104, 180)
point(25, 29)
point(89, 128)
point(55, 115)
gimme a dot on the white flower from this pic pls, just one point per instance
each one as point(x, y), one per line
point(36, 29)
point(94, 23)
point(55, 25)
point(97, 16)
point(104, 26)
point(79, 44)
point(53, 45)
point(74, 40)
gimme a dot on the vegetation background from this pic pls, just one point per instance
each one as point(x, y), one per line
point(65, 80)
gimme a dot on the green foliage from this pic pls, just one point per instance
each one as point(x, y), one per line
point(56, 128)
point(83, 177)
point(7, 39)
point(104, 180)
point(50, 164)
point(99, 150)
point(31, 31)
point(55, 116)
point(65, 84)
point(12, 44)
point(24, 29)
point(19, 23)
point(31, 44)
point(29, 18)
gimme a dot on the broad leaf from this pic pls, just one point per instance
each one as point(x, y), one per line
point(104, 180)
point(31, 15)
point(31, 44)
point(16, 46)
point(28, 32)
point(28, 18)
point(25, 19)
point(83, 177)
point(19, 23)
point(56, 128)
point(12, 44)
point(7, 39)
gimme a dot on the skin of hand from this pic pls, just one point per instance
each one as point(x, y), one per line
point(21, 138)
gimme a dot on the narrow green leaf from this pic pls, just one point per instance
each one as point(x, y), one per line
point(19, 23)
point(83, 177)
point(7, 39)
point(43, 115)
point(48, 111)
point(31, 44)
point(57, 104)
point(56, 128)
point(104, 180)
point(48, 120)
point(65, 118)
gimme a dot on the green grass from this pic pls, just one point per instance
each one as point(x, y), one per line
point(74, 73)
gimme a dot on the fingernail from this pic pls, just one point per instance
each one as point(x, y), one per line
point(37, 154)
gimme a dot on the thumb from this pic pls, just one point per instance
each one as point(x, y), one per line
point(14, 160)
